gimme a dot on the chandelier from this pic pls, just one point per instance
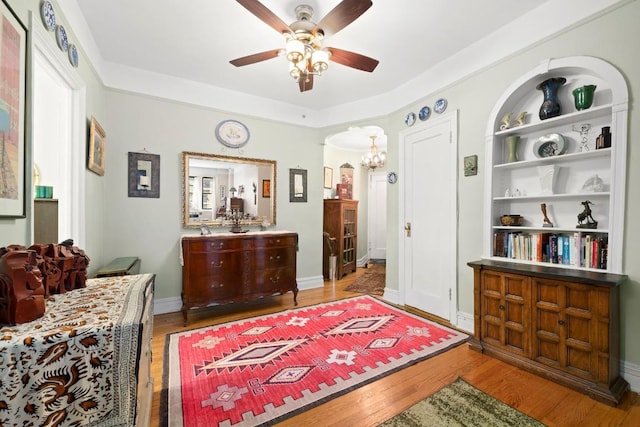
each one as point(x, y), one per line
point(373, 159)
point(304, 49)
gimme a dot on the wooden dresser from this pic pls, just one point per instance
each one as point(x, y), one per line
point(340, 220)
point(558, 323)
point(223, 268)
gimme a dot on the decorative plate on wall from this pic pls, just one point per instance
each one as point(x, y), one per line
point(392, 177)
point(424, 113)
point(48, 15)
point(232, 133)
point(440, 105)
point(61, 38)
point(73, 55)
point(410, 119)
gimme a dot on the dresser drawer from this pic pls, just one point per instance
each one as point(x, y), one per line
point(204, 289)
point(214, 263)
point(273, 241)
point(274, 257)
point(213, 244)
point(272, 280)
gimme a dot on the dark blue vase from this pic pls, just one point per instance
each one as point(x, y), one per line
point(550, 106)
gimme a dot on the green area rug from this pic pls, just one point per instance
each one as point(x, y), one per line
point(461, 404)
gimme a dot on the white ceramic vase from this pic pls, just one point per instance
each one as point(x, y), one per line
point(548, 176)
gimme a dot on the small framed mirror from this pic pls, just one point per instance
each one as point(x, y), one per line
point(217, 188)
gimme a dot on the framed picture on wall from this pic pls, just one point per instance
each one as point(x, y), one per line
point(144, 175)
point(297, 185)
point(13, 78)
point(97, 142)
point(266, 188)
point(328, 177)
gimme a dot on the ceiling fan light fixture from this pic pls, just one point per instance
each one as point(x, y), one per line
point(320, 60)
point(294, 71)
point(295, 50)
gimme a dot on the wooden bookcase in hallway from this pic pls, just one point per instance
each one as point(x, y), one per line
point(341, 222)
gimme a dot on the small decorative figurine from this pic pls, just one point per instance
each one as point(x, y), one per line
point(546, 221)
point(521, 118)
point(586, 215)
point(504, 122)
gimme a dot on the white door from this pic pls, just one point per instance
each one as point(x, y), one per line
point(429, 216)
point(377, 227)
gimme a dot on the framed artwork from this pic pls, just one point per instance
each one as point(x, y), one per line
point(266, 188)
point(223, 192)
point(297, 185)
point(207, 184)
point(97, 142)
point(144, 175)
point(328, 177)
point(346, 178)
point(207, 203)
point(471, 165)
point(13, 81)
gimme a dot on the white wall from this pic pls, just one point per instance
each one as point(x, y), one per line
point(151, 228)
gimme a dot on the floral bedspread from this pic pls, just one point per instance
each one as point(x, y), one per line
point(76, 365)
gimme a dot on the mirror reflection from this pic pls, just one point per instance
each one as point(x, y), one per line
point(221, 190)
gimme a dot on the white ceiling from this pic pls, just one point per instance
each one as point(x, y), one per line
point(182, 48)
point(196, 39)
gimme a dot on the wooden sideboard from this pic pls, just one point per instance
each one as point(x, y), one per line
point(558, 323)
point(223, 268)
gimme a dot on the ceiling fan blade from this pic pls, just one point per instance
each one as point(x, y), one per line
point(352, 59)
point(256, 57)
point(265, 15)
point(306, 83)
point(341, 16)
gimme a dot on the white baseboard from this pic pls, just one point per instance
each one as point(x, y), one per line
point(631, 373)
point(392, 296)
point(464, 321)
point(167, 305)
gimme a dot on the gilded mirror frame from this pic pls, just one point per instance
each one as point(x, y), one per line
point(188, 221)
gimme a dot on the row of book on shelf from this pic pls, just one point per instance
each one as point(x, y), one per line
point(575, 249)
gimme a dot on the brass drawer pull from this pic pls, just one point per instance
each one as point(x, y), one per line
point(219, 244)
point(275, 279)
point(276, 258)
point(221, 285)
point(219, 265)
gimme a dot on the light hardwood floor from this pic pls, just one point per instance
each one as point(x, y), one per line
point(371, 404)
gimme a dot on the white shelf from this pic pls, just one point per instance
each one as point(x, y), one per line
point(573, 168)
point(543, 264)
point(536, 197)
point(563, 158)
point(555, 230)
point(555, 122)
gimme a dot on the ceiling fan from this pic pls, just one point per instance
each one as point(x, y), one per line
point(304, 40)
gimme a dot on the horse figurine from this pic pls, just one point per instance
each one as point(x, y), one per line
point(586, 215)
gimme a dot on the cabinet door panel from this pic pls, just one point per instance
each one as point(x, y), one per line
point(505, 305)
point(565, 327)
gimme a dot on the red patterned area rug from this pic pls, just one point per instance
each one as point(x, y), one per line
point(262, 370)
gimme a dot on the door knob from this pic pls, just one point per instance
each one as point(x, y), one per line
point(407, 228)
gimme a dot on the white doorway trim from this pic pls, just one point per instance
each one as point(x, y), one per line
point(450, 180)
point(45, 53)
